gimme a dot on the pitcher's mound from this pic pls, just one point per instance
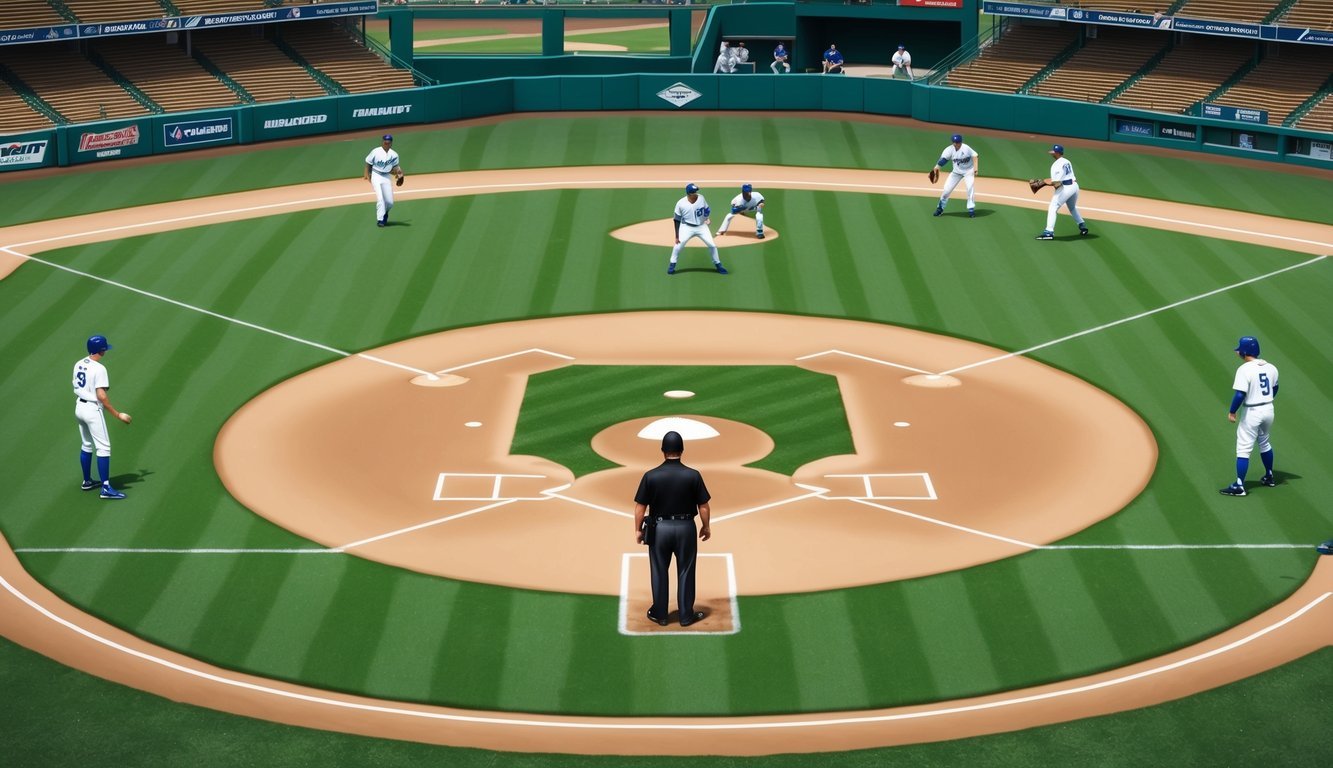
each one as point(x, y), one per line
point(661, 233)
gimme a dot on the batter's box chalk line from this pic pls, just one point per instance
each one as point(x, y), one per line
point(927, 492)
point(497, 483)
point(640, 560)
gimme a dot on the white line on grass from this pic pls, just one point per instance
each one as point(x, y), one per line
point(426, 524)
point(955, 526)
point(1124, 320)
point(172, 551)
point(638, 725)
point(862, 357)
point(505, 357)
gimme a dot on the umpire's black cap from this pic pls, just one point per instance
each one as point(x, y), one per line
point(672, 442)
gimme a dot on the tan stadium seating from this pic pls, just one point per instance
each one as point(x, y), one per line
point(170, 77)
point(1309, 14)
point(1102, 64)
point(116, 10)
point(15, 114)
point(1013, 59)
point(1320, 118)
point(1131, 6)
point(23, 15)
point(1196, 67)
point(1281, 82)
point(326, 47)
point(1253, 11)
point(67, 81)
point(198, 7)
point(257, 64)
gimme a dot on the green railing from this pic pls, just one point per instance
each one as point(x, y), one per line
point(964, 53)
point(1055, 63)
point(216, 71)
point(30, 97)
point(1197, 107)
point(1304, 107)
point(374, 46)
point(331, 87)
point(1147, 67)
point(124, 82)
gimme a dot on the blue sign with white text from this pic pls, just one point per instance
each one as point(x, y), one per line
point(197, 132)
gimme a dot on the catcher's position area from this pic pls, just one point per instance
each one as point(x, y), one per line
point(427, 481)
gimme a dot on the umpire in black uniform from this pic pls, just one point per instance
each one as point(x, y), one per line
point(670, 495)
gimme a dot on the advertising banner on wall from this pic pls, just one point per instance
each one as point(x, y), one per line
point(1160, 21)
point(1133, 127)
point(387, 108)
point(38, 34)
point(1177, 131)
point(27, 151)
point(299, 118)
point(187, 133)
point(1238, 114)
point(107, 141)
point(933, 3)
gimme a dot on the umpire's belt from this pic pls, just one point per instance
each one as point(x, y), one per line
point(1067, 183)
point(660, 518)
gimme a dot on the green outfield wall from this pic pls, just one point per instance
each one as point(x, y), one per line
point(681, 80)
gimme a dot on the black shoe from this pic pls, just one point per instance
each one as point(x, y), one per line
point(1268, 480)
point(698, 616)
point(1235, 489)
point(655, 620)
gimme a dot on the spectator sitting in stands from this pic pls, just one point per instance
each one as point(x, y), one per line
point(833, 61)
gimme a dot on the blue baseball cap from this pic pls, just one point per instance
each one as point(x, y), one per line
point(388, 137)
point(691, 188)
point(98, 344)
point(1248, 345)
point(957, 137)
point(1056, 149)
point(902, 47)
point(747, 188)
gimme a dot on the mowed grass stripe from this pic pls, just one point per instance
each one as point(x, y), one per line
point(826, 657)
point(893, 658)
point(479, 616)
point(354, 619)
point(413, 630)
point(532, 675)
point(959, 661)
point(288, 630)
point(762, 682)
point(1063, 612)
point(1016, 627)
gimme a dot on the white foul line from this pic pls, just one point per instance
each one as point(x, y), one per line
point(652, 726)
point(863, 357)
point(426, 524)
point(589, 504)
point(1140, 315)
point(172, 551)
point(504, 357)
point(955, 526)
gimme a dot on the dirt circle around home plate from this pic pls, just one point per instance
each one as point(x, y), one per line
point(428, 482)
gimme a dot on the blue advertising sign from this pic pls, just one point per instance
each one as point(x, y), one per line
point(1177, 131)
point(1161, 21)
point(37, 34)
point(1133, 127)
point(1021, 9)
point(1238, 114)
point(127, 27)
point(1297, 35)
point(1208, 27)
point(197, 132)
point(1116, 18)
point(279, 14)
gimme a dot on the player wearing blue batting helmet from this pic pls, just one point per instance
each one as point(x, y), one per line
point(97, 345)
point(691, 188)
point(747, 188)
point(957, 138)
point(1248, 346)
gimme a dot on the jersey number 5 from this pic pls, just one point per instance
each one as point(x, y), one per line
point(1263, 383)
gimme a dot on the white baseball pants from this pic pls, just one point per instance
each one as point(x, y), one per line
point(758, 221)
point(1068, 197)
point(92, 428)
point(1253, 428)
point(700, 231)
point(954, 177)
point(382, 183)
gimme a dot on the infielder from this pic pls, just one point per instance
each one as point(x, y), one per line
point(1256, 388)
point(780, 59)
point(691, 220)
point(965, 167)
point(747, 200)
point(902, 59)
point(381, 170)
point(90, 385)
point(1066, 193)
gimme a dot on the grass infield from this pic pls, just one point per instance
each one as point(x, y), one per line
point(331, 277)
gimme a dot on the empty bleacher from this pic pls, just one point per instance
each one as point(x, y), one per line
point(1193, 69)
point(1281, 82)
point(1320, 118)
point(1130, 6)
point(1006, 65)
point(257, 64)
point(63, 78)
point(1252, 11)
point(1103, 63)
point(197, 7)
point(171, 78)
point(326, 47)
point(24, 15)
point(116, 10)
point(15, 114)
point(1309, 14)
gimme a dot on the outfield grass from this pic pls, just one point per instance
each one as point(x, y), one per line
point(330, 277)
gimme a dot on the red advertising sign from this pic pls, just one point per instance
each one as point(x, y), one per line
point(933, 3)
point(124, 137)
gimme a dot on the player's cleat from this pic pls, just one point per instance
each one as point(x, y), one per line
point(379, 223)
point(1082, 230)
point(88, 485)
point(759, 235)
point(671, 269)
point(655, 620)
point(1235, 489)
point(111, 493)
point(721, 270)
point(1268, 481)
point(1046, 236)
point(971, 213)
point(939, 209)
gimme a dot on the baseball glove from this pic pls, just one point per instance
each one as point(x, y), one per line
point(400, 179)
point(934, 175)
point(1036, 185)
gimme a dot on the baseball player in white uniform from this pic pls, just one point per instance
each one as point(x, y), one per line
point(901, 58)
point(726, 60)
point(965, 167)
point(739, 55)
point(1256, 388)
point(691, 220)
point(90, 385)
point(1066, 193)
point(748, 200)
point(381, 171)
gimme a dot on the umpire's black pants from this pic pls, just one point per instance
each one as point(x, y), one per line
point(676, 538)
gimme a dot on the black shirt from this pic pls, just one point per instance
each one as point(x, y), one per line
point(671, 489)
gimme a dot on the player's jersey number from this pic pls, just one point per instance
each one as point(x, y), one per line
point(82, 378)
point(1263, 384)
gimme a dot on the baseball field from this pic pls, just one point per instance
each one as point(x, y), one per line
point(377, 478)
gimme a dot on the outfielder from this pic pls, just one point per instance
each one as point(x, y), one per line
point(381, 169)
point(691, 220)
point(90, 385)
point(747, 200)
point(780, 59)
point(902, 59)
point(1066, 193)
point(965, 167)
point(1256, 388)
